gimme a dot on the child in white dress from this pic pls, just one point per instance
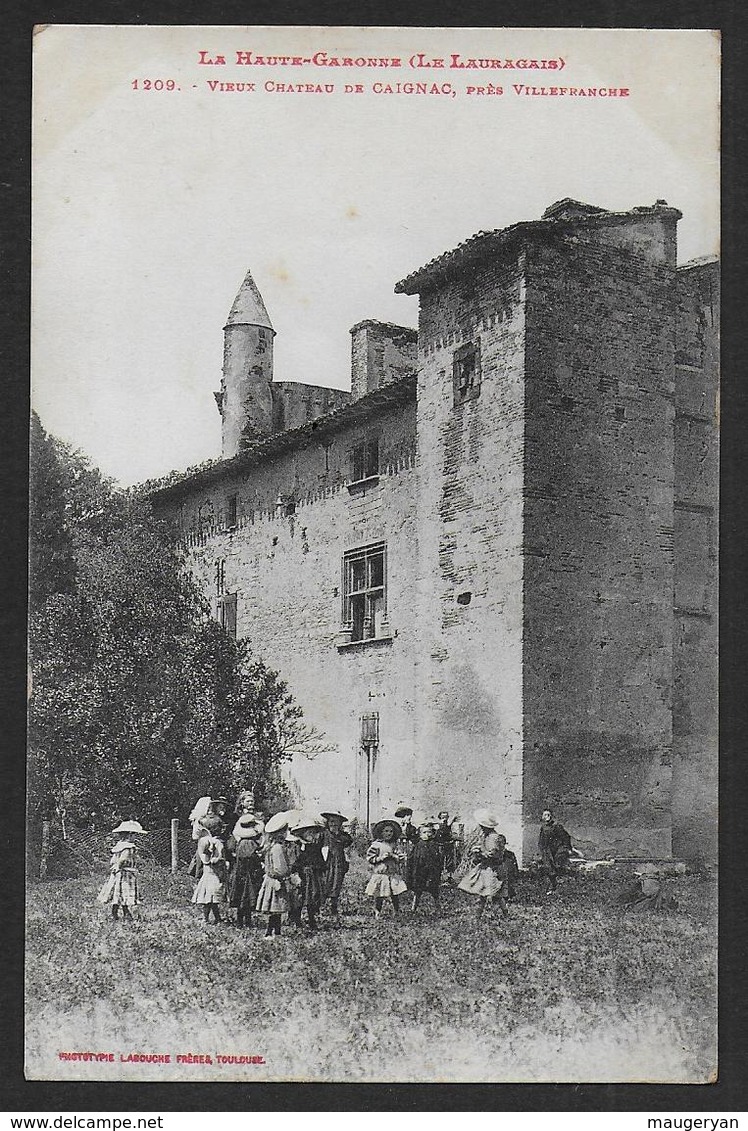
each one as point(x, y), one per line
point(488, 878)
point(273, 896)
point(387, 859)
point(121, 889)
point(210, 890)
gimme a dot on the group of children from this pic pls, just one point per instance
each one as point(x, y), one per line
point(294, 863)
point(297, 861)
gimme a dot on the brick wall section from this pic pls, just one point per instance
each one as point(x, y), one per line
point(469, 655)
point(647, 237)
point(695, 668)
point(598, 528)
point(286, 570)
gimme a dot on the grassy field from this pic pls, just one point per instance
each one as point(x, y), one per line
point(570, 988)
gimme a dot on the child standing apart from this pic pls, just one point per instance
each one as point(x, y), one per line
point(210, 890)
point(488, 876)
point(121, 889)
point(424, 868)
point(386, 859)
point(336, 841)
point(273, 895)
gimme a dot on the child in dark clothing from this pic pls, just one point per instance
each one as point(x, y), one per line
point(310, 866)
point(336, 866)
point(424, 867)
point(243, 847)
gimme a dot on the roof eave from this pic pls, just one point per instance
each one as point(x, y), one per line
point(399, 392)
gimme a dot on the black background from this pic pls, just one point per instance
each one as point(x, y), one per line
point(16, 1094)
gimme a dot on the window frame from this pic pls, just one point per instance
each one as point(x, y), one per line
point(227, 613)
point(364, 606)
point(463, 393)
point(364, 461)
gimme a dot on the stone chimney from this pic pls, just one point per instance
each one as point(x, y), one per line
point(380, 354)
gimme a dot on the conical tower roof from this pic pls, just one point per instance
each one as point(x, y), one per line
point(248, 308)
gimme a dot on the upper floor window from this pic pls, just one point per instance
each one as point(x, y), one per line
point(365, 459)
point(466, 373)
point(231, 510)
point(365, 591)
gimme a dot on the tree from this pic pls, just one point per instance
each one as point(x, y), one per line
point(52, 562)
point(139, 694)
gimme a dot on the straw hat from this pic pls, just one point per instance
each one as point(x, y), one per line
point(306, 821)
point(334, 813)
point(378, 827)
point(403, 811)
point(201, 807)
point(486, 819)
point(277, 823)
point(130, 827)
point(247, 827)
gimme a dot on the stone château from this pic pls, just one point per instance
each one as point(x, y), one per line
point(488, 572)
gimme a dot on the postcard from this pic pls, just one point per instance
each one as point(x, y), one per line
point(374, 529)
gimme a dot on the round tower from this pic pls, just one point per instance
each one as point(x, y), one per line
point(245, 400)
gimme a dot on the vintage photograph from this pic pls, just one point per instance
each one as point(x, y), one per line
point(373, 555)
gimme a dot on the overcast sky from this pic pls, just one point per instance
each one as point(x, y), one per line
point(151, 206)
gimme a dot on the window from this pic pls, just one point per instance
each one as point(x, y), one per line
point(205, 518)
point(466, 373)
point(231, 509)
point(227, 613)
point(364, 592)
point(365, 459)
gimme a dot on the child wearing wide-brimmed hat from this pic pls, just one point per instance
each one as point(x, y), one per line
point(336, 841)
point(210, 890)
point(386, 858)
point(121, 889)
point(245, 879)
point(272, 898)
point(487, 878)
point(200, 809)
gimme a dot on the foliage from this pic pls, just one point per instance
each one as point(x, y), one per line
point(571, 987)
point(52, 564)
point(141, 700)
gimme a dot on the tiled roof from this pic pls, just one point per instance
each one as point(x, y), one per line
point(366, 407)
point(564, 215)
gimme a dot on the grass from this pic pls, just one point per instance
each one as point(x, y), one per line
point(570, 988)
